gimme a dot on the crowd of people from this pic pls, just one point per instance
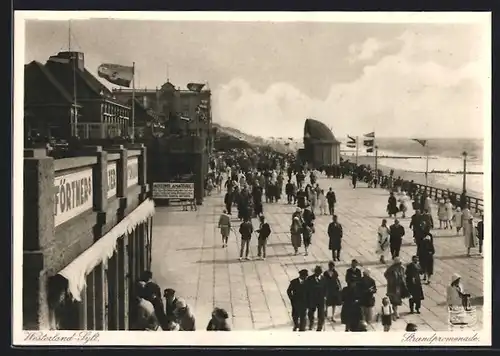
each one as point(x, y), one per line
point(249, 180)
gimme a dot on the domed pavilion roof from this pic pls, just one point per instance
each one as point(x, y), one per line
point(316, 130)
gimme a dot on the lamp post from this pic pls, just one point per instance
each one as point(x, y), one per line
point(464, 179)
point(376, 162)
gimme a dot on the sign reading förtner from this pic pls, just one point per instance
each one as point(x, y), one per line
point(132, 171)
point(172, 190)
point(111, 179)
point(73, 195)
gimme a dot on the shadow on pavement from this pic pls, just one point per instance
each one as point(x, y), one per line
point(444, 258)
point(194, 248)
point(275, 244)
point(221, 262)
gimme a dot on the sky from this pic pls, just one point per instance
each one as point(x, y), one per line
point(406, 79)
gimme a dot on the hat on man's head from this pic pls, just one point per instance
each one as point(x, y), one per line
point(303, 272)
point(169, 291)
point(318, 269)
point(180, 304)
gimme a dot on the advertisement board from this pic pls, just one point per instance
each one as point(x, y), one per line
point(173, 190)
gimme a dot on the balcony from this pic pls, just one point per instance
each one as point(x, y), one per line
point(93, 130)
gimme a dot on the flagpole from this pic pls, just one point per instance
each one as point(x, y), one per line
point(426, 164)
point(133, 102)
point(357, 149)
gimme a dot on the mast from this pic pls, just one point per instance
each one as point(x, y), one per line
point(133, 102)
point(74, 111)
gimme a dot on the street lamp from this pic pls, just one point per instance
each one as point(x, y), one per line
point(464, 179)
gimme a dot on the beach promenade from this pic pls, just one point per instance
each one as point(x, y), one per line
point(188, 257)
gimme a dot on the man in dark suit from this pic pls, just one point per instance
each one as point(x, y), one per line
point(396, 233)
point(316, 293)
point(297, 292)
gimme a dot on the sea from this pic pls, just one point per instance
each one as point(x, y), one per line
point(444, 154)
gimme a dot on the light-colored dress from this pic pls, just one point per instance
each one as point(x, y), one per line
point(458, 218)
point(469, 234)
point(382, 240)
point(442, 213)
point(449, 211)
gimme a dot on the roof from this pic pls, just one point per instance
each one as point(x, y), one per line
point(60, 89)
point(316, 130)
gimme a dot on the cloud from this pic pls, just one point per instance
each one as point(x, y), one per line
point(366, 50)
point(398, 95)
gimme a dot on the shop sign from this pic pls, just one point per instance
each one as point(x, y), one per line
point(132, 171)
point(112, 179)
point(73, 195)
point(173, 190)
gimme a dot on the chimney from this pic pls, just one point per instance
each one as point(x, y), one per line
point(77, 57)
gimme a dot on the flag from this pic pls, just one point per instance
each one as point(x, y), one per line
point(371, 134)
point(369, 150)
point(422, 142)
point(116, 74)
point(351, 139)
point(368, 143)
point(351, 145)
point(195, 86)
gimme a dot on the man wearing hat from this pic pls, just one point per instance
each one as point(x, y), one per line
point(316, 294)
point(297, 292)
point(170, 304)
point(263, 233)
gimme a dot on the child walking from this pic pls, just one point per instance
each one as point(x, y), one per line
point(386, 314)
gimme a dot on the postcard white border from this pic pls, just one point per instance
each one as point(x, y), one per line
point(236, 338)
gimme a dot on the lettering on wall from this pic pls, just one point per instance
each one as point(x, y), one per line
point(132, 171)
point(73, 195)
point(112, 179)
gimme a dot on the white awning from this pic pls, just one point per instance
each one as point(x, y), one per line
point(101, 251)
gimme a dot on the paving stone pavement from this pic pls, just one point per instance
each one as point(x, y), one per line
point(188, 256)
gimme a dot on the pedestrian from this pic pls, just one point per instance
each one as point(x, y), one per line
point(383, 235)
point(480, 233)
point(184, 316)
point(417, 225)
point(316, 298)
point(367, 288)
point(425, 254)
point(301, 198)
point(332, 200)
point(224, 226)
point(146, 319)
point(322, 202)
point(457, 219)
point(386, 314)
point(414, 284)
point(264, 231)
point(428, 221)
point(289, 190)
point(396, 233)
point(246, 230)
point(297, 293)
point(313, 200)
point(396, 284)
point(170, 304)
point(353, 273)
point(218, 322)
point(469, 234)
point(296, 234)
point(307, 233)
point(354, 179)
point(335, 234)
point(456, 297)
point(403, 204)
point(449, 213)
point(351, 313)
point(392, 207)
point(333, 289)
point(442, 214)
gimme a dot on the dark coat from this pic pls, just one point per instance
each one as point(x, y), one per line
point(297, 293)
point(367, 290)
point(392, 206)
point(308, 217)
point(246, 230)
point(333, 288)
point(396, 233)
point(331, 198)
point(335, 233)
point(353, 275)
point(425, 254)
point(316, 290)
point(351, 313)
point(416, 224)
point(413, 282)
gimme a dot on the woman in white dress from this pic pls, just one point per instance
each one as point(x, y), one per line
point(458, 219)
point(404, 202)
point(442, 215)
point(469, 234)
point(383, 240)
point(449, 213)
point(322, 203)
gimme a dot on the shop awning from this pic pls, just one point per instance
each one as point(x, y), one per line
point(77, 271)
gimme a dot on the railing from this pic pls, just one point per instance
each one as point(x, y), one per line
point(101, 130)
point(473, 203)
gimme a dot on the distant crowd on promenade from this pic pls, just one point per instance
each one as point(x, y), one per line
point(249, 181)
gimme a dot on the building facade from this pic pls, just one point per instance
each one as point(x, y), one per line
point(83, 257)
point(321, 148)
